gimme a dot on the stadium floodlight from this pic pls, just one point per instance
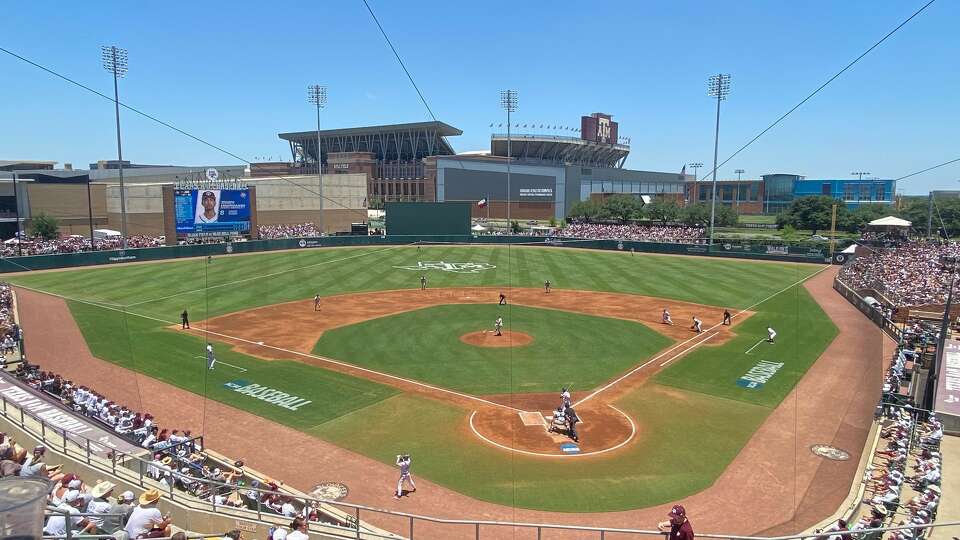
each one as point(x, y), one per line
point(738, 173)
point(508, 101)
point(317, 94)
point(860, 174)
point(696, 178)
point(115, 61)
point(718, 86)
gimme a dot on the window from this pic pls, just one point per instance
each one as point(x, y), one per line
point(585, 171)
point(865, 192)
point(704, 194)
point(849, 192)
point(881, 192)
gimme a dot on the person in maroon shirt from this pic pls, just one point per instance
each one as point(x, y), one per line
point(678, 526)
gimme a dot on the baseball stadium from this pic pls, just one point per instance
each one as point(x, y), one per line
point(380, 336)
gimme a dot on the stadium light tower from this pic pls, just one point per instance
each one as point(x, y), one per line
point(717, 87)
point(860, 174)
point(738, 172)
point(115, 61)
point(508, 100)
point(737, 189)
point(317, 95)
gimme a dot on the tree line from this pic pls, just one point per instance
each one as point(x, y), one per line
point(814, 213)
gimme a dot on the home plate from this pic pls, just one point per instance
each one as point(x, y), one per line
point(534, 418)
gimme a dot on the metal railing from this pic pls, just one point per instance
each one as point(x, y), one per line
point(70, 533)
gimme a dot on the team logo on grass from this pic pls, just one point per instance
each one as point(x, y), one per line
point(330, 491)
point(456, 267)
point(268, 395)
point(759, 374)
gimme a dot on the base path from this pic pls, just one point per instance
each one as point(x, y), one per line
point(774, 485)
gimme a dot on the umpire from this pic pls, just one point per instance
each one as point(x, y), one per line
point(572, 420)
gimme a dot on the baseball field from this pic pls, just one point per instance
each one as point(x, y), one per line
point(383, 367)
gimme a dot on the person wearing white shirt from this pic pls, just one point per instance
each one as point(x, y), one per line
point(287, 509)
point(100, 505)
point(57, 524)
point(298, 530)
point(146, 516)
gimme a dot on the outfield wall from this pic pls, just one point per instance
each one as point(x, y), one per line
point(741, 249)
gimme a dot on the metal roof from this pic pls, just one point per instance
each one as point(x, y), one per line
point(560, 149)
point(444, 130)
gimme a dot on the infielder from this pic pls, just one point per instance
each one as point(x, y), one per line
point(503, 299)
point(423, 283)
point(546, 286)
point(211, 359)
point(497, 326)
point(771, 334)
point(403, 461)
point(184, 320)
point(727, 318)
point(316, 302)
point(697, 325)
point(665, 317)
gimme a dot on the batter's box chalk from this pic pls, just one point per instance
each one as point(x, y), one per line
point(532, 418)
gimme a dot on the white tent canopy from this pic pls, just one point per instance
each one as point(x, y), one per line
point(890, 221)
point(105, 233)
point(478, 228)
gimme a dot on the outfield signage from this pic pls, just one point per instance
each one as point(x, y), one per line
point(759, 374)
point(268, 395)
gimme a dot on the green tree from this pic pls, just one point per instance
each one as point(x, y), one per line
point(45, 226)
point(663, 210)
point(856, 220)
point(623, 207)
point(515, 226)
point(696, 214)
point(726, 216)
point(588, 210)
point(812, 212)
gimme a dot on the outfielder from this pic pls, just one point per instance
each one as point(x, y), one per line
point(211, 359)
point(665, 317)
point(697, 325)
point(503, 299)
point(403, 461)
point(497, 326)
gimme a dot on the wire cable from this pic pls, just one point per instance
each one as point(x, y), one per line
point(822, 86)
point(169, 125)
point(945, 163)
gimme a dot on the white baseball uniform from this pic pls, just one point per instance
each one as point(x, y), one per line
point(404, 465)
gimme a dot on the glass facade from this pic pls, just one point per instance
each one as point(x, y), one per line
point(589, 186)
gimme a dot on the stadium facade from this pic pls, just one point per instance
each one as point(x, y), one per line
point(416, 162)
point(773, 193)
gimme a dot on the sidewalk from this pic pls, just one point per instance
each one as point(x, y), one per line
point(949, 509)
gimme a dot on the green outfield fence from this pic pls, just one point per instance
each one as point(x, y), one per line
point(736, 249)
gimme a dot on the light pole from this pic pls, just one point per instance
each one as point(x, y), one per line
point(317, 95)
point(859, 174)
point(696, 176)
point(718, 87)
point(115, 61)
point(737, 196)
point(508, 100)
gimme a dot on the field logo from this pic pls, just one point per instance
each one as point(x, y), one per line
point(759, 374)
point(569, 448)
point(268, 395)
point(459, 268)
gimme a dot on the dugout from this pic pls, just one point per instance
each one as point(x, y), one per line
point(427, 219)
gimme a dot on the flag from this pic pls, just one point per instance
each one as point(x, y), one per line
point(482, 202)
point(683, 171)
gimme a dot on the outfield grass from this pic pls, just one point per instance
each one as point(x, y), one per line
point(424, 345)
point(698, 394)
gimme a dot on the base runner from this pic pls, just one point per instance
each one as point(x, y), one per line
point(211, 359)
point(665, 317)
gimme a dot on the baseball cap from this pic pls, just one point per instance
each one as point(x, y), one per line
point(127, 495)
point(208, 194)
point(71, 496)
point(677, 511)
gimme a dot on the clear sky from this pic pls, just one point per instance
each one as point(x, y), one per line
point(236, 73)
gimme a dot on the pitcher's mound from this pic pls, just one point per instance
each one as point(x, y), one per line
point(487, 339)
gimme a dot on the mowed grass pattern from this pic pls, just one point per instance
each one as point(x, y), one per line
point(424, 345)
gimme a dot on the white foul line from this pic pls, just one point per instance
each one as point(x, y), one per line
point(296, 353)
point(224, 363)
point(754, 346)
point(692, 347)
point(668, 351)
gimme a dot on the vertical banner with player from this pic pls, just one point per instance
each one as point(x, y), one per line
point(212, 211)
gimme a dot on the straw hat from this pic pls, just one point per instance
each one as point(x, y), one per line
point(149, 496)
point(102, 489)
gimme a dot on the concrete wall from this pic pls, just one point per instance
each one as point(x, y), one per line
point(68, 203)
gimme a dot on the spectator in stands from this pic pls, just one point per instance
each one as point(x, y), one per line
point(908, 275)
point(57, 524)
point(100, 506)
point(34, 465)
point(298, 530)
point(678, 524)
point(146, 521)
point(641, 233)
point(299, 230)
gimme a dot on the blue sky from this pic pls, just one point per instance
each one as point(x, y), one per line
point(236, 73)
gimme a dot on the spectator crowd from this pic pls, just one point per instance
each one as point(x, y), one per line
point(271, 232)
point(76, 244)
point(640, 233)
point(909, 275)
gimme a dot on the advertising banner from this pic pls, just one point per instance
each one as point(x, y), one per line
point(212, 210)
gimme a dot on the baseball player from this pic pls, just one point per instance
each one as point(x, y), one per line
point(565, 398)
point(665, 317)
point(697, 325)
point(503, 299)
point(316, 302)
point(184, 320)
point(403, 461)
point(727, 318)
point(771, 334)
point(423, 283)
point(211, 359)
point(546, 286)
point(572, 420)
point(498, 326)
